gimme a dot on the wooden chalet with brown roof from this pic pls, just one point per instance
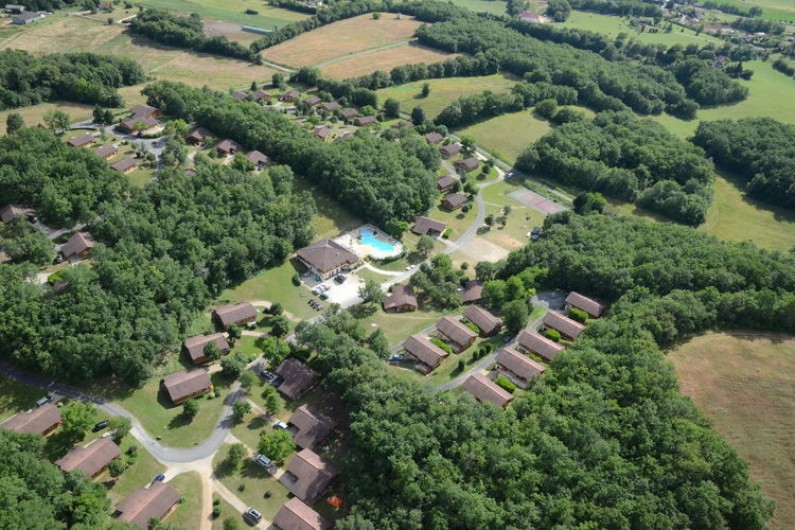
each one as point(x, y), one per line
point(194, 346)
point(364, 121)
point(228, 147)
point(487, 391)
point(260, 160)
point(313, 427)
point(433, 138)
point(183, 385)
point(326, 258)
point(472, 292)
point(144, 504)
point(145, 111)
point(312, 101)
point(424, 351)
point(465, 165)
point(78, 246)
point(125, 165)
point(290, 96)
point(92, 459)
point(539, 345)
point(449, 150)
point(331, 106)
point(487, 323)
point(84, 140)
point(593, 308)
point(234, 314)
point(296, 515)
point(260, 95)
point(198, 135)
point(307, 476)
point(322, 132)
point(41, 420)
point(401, 300)
point(445, 183)
point(138, 124)
point(568, 328)
point(239, 95)
point(298, 378)
point(347, 114)
point(10, 211)
point(106, 151)
point(455, 333)
point(454, 201)
point(425, 226)
point(517, 367)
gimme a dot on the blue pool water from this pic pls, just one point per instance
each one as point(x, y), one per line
point(368, 238)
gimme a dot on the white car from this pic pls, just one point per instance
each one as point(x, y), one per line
point(280, 425)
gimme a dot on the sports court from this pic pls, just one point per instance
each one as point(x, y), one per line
point(536, 202)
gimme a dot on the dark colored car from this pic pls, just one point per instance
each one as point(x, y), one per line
point(160, 478)
point(101, 425)
point(43, 401)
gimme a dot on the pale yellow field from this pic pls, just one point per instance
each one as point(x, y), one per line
point(384, 60)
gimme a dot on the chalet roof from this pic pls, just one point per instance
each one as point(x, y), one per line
point(568, 327)
point(298, 377)
point(468, 164)
point(455, 200)
point(446, 182)
point(313, 427)
point(330, 106)
point(518, 364)
point(259, 95)
point(232, 314)
point(296, 515)
point(312, 474)
point(424, 350)
point(106, 150)
point(194, 346)
point(364, 120)
point(80, 141)
point(327, 255)
point(91, 459)
point(148, 121)
point(35, 421)
point(227, 146)
point(589, 305)
point(124, 164)
point(77, 244)
point(472, 291)
point(143, 111)
point(257, 157)
point(455, 331)
point(484, 390)
point(433, 138)
point(312, 100)
point(483, 319)
point(199, 134)
point(450, 149)
point(144, 504)
point(181, 385)
point(9, 211)
point(292, 94)
point(533, 342)
point(322, 132)
point(401, 295)
point(239, 95)
point(348, 113)
point(423, 225)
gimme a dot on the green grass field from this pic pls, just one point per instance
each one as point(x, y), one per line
point(16, 397)
point(227, 512)
point(746, 386)
point(141, 473)
point(781, 10)
point(496, 7)
point(398, 326)
point(612, 26)
point(508, 135)
point(231, 11)
point(188, 513)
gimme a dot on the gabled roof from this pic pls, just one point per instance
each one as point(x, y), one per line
point(472, 291)
point(455, 200)
point(36, 421)
point(194, 346)
point(312, 100)
point(313, 427)
point(9, 211)
point(199, 134)
point(322, 132)
point(330, 106)
point(144, 504)
point(106, 150)
point(446, 182)
point(80, 141)
point(400, 296)
point(232, 314)
point(181, 385)
point(364, 120)
point(533, 342)
point(589, 305)
point(424, 350)
point(91, 459)
point(77, 244)
point(568, 327)
point(257, 157)
point(327, 255)
point(348, 113)
point(468, 164)
point(485, 390)
point(455, 331)
point(296, 515)
point(130, 123)
point(259, 95)
point(483, 319)
point(450, 149)
point(143, 111)
point(228, 146)
point(518, 364)
point(292, 94)
point(433, 138)
point(312, 474)
point(124, 164)
point(239, 95)
point(298, 377)
point(423, 225)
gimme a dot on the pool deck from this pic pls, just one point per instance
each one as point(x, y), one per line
point(351, 241)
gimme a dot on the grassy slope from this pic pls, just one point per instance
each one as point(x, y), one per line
point(231, 11)
point(508, 135)
point(612, 26)
point(188, 513)
point(746, 386)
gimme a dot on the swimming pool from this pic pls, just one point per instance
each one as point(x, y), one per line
point(368, 237)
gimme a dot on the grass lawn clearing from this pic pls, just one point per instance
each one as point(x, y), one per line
point(34, 115)
point(189, 510)
point(331, 219)
point(745, 384)
point(399, 326)
point(612, 25)
point(227, 512)
point(231, 11)
point(16, 397)
point(384, 60)
point(141, 473)
point(508, 135)
point(482, 6)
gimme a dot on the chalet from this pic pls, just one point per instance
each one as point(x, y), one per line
point(466, 165)
point(454, 201)
point(322, 132)
point(260, 95)
point(194, 346)
point(28, 17)
point(228, 147)
point(401, 300)
point(472, 292)
point(307, 476)
point(106, 151)
point(364, 121)
point(260, 160)
point(298, 378)
point(290, 96)
point(198, 136)
point(139, 124)
point(312, 101)
point(78, 246)
point(125, 165)
point(445, 183)
point(539, 345)
point(296, 515)
point(190, 171)
point(568, 328)
point(145, 111)
point(181, 386)
point(240, 95)
point(15, 9)
point(313, 427)
point(41, 420)
point(517, 367)
point(527, 16)
point(347, 135)
point(424, 351)
point(450, 150)
point(326, 258)
point(234, 314)
point(92, 459)
point(593, 308)
point(486, 390)
point(145, 504)
point(455, 333)
point(425, 226)
point(487, 323)
point(433, 138)
point(331, 106)
point(347, 114)
point(10, 211)
point(83, 140)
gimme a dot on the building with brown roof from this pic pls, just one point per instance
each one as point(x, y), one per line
point(10, 211)
point(401, 300)
point(298, 378)
point(313, 427)
point(331, 106)
point(312, 101)
point(41, 420)
point(322, 132)
point(260, 95)
point(228, 147)
point(194, 346)
point(425, 226)
point(198, 135)
point(145, 111)
point(307, 476)
point(454, 201)
point(472, 292)
point(465, 165)
point(445, 183)
point(181, 386)
point(326, 258)
point(154, 502)
point(83, 140)
point(487, 391)
point(539, 345)
point(234, 314)
point(259, 159)
point(568, 328)
point(449, 150)
point(125, 165)
point(364, 121)
point(239, 95)
point(593, 308)
point(433, 138)
point(424, 351)
point(92, 459)
point(517, 367)
point(455, 333)
point(296, 515)
point(106, 151)
point(347, 114)
point(290, 96)
point(487, 323)
point(78, 246)
point(138, 124)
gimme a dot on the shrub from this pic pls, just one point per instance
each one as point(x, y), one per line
point(252, 12)
point(506, 384)
point(441, 344)
point(578, 314)
point(448, 231)
point(552, 334)
point(216, 511)
point(296, 280)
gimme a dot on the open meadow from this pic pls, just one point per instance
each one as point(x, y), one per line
point(231, 11)
point(368, 62)
point(612, 25)
point(508, 135)
point(745, 384)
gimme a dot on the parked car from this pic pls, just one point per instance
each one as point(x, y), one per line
point(340, 278)
point(396, 357)
point(323, 296)
point(264, 461)
point(43, 401)
point(280, 425)
point(101, 425)
point(252, 516)
point(160, 478)
point(535, 233)
point(316, 291)
point(267, 375)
